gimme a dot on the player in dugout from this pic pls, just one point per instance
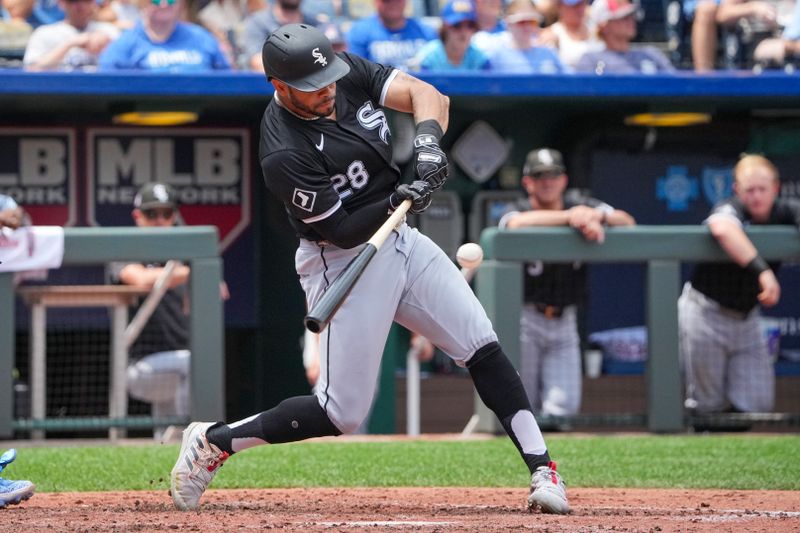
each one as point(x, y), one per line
point(326, 152)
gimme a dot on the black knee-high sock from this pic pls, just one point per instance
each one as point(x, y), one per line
point(501, 389)
point(291, 420)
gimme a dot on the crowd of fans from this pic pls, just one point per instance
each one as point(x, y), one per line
point(515, 36)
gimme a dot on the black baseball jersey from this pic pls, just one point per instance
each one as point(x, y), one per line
point(559, 284)
point(168, 326)
point(727, 283)
point(319, 166)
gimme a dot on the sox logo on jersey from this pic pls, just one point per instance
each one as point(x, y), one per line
point(369, 118)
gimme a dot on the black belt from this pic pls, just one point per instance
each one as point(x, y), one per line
point(705, 299)
point(549, 311)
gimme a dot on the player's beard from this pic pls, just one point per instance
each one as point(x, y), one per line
point(321, 109)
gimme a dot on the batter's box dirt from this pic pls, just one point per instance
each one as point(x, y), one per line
point(442, 510)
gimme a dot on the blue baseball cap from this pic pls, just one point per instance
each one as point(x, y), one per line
point(572, 2)
point(456, 11)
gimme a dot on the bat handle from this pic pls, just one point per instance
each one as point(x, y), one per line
point(394, 220)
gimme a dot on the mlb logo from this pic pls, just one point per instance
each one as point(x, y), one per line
point(37, 169)
point(209, 170)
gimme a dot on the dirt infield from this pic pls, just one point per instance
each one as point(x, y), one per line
point(409, 509)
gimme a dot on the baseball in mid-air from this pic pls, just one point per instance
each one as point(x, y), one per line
point(469, 255)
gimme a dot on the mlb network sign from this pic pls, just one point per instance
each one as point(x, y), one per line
point(208, 168)
point(37, 169)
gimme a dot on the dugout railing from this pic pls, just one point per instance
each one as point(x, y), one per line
point(198, 246)
point(662, 249)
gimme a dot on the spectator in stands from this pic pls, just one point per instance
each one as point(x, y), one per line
point(548, 10)
point(33, 12)
point(777, 51)
point(11, 215)
point(702, 16)
point(161, 42)
point(489, 15)
point(708, 16)
point(723, 350)
point(763, 14)
point(14, 32)
point(453, 49)
point(226, 16)
point(72, 44)
point(759, 19)
point(158, 372)
point(389, 37)
point(571, 34)
point(516, 49)
point(123, 13)
point(225, 20)
point(261, 23)
point(616, 25)
point(335, 35)
point(550, 357)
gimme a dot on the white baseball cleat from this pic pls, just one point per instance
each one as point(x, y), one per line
point(197, 464)
point(547, 491)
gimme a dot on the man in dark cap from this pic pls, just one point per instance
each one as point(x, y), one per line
point(326, 152)
point(158, 372)
point(550, 357)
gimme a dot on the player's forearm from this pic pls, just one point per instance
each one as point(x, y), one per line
point(731, 11)
point(618, 217)
point(538, 218)
point(51, 60)
point(430, 104)
point(734, 241)
point(142, 276)
point(12, 218)
point(348, 230)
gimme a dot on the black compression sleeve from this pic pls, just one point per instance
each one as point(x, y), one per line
point(347, 230)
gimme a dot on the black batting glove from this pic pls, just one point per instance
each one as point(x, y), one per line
point(430, 162)
point(419, 192)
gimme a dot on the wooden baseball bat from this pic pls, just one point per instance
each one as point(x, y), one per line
point(321, 314)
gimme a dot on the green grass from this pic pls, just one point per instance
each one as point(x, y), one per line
point(720, 461)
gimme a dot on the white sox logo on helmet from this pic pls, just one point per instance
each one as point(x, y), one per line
point(318, 57)
point(370, 119)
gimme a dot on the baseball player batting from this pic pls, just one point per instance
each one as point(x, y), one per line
point(326, 152)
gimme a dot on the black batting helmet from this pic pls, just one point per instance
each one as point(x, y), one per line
point(302, 57)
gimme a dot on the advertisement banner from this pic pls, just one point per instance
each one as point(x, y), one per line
point(208, 168)
point(37, 169)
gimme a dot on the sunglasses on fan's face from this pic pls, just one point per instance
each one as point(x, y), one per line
point(159, 212)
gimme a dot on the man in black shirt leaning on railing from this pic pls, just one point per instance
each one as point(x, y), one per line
point(723, 351)
point(550, 356)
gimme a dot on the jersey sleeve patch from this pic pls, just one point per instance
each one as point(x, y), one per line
point(304, 199)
